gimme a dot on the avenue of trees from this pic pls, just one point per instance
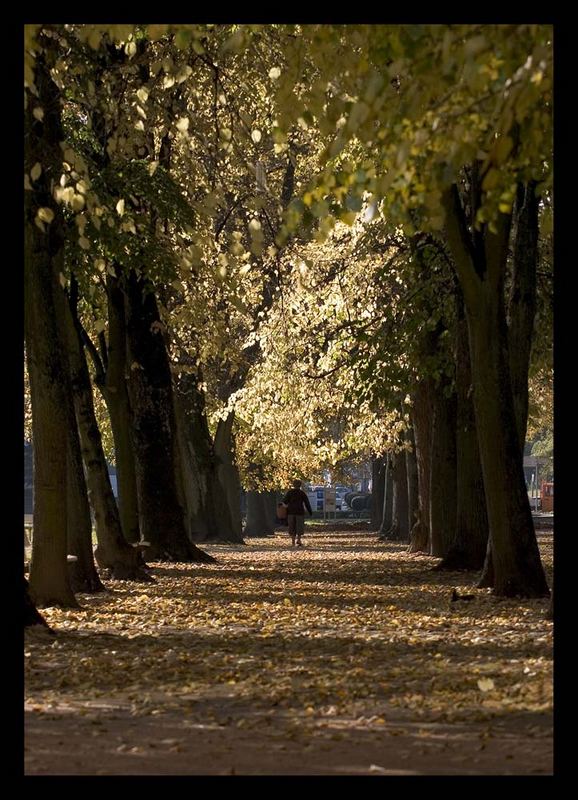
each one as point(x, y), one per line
point(260, 251)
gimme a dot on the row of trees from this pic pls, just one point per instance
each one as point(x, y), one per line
point(272, 265)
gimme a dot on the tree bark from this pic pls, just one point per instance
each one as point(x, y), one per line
point(162, 521)
point(228, 473)
point(522, 301)
point(412, 480)
point(387, 516)
point(480, 266)
point(422, 418)
point(115, 392)
point(377, 491)
point(207, 515)
point(31, 614)
point(399, 531)
point(517, 566)
point(443, 480)
point(260, 514)
point(521, 314)
point(113, 551)
point(45, 351)
point(468, 549)
point(83, 574)
point(487, 579)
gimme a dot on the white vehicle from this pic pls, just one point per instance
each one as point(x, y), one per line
point(340, 492)
point(316, 496)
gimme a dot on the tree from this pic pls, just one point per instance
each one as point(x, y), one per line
point(31, 614)
point(113, 553)
point(150, 389)
point(499, 80)
point(47, 369)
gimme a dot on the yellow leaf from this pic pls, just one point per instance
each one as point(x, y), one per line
point(45, 214)
point(77, 203)
point(348, 217)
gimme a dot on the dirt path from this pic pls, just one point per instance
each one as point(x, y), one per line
point(343, 658)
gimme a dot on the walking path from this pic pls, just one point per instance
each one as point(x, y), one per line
point(342, 658)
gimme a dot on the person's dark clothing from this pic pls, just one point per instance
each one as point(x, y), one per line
point(295, 499)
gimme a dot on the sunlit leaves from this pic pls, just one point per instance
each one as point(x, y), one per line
point(45, 215)
point(77, 202)
point(433, 121)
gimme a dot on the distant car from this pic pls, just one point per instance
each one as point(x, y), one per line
point(315, 495)
point(340, 492)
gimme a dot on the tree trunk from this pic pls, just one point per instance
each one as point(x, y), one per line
point(228, 473)
point(31, 614)
point(412, 481)
point(487, 579)
point(399, 531)
point(186, 479)
point(272, 501)
point(115, 392)
point(162, 522)
point(517, 567)
point(469, 547)
point(47, 367)
point(443, 481)
point(550, 611)
point(387, 516)
point(208, 516)
point(377, 491)
point(83, 574)
point(522, 301)
point(521, 313)
point(422, 418)
point(113, 552)
point(260, 515)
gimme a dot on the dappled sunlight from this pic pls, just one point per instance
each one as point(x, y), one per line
point(297, 630)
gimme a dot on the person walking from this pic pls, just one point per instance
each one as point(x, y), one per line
point(296, 501)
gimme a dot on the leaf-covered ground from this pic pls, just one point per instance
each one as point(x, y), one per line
point(343, 657)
